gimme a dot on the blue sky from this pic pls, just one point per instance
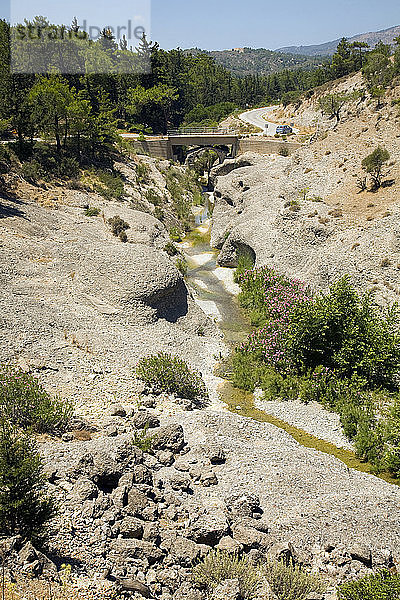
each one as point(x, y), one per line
point(220, 24)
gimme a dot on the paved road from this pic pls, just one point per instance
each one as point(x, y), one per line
point(256, 117)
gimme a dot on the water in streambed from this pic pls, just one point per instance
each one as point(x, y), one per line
point(215, 291)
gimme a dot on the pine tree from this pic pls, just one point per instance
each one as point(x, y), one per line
point(25, 507)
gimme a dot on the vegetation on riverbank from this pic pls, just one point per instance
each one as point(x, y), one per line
point(338, 349)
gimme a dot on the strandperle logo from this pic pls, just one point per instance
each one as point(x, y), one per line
point(41, 46)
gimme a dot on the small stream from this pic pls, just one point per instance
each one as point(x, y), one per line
point(215, 291)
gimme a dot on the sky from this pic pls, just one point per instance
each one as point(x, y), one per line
point(223, 24)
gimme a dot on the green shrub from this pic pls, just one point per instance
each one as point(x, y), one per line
point(24, 506)
point(153, 197)
point(374, 163)
point(380, 586)
point(290, 582)
point(91, 211)
point(181, 265)
point(345, 332)
point(25, 403)
point(143, 171)
point(175, 234)
point(284, 151)
point(170, 249)
point(170, 374)
point(118, 225)
point(46, 164)
point(33, 171)
point(218, 566)
point(245, 261)
point(108, 184)
point(143, 441)
point(159, 213)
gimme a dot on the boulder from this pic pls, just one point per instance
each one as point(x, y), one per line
point(227, 590)
point(136, 502)
point(131, 528)
point(184, 552)
point(180, 481)
point(132, 585)
point(144, 418)
point(250, 538)
point(128, 549)
point(170, 437)
point(211, 525)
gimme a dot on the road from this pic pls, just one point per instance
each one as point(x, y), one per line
point(256, 117)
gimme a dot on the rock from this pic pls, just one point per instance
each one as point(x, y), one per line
point(111, 431)
point(282, 551)
point(143, 419)
point(184, 552)
point(227, 590)
point(211, 525)
point(208, 478)
point(250, 538)
point(180, 481)
point(229, 545)
point(27, 554)
point(243, 505)
point(361, 553)
point(119, 496)
point(137, 502)
point(37, 562)
point(165, 457)
point(131, 528)
point(128, 549)
point(151, 532)
point(84, 489)
point(117, 410)
point(131, 585)
point(142, 475)
point(170, 437)
point(215, 453)
point(188, 592)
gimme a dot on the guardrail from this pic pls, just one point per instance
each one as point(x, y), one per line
point(197, 130)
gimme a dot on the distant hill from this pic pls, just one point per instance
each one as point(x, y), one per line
point(249, 61)
point(327, 49)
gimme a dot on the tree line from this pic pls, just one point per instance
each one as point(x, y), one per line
point(83, 110)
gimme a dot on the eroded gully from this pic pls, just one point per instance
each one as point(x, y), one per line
point(216, 294)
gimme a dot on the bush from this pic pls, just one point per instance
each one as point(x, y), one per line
point(153, 197)
point(170, 249)
point(380, 586)
point(170, 374)
point(290, 582)
point(284, 151)
point(218, 566)
point(24, 506)
point(143, 441)
point(108, 184)
point(25, 403)
point(175, 234)
point(118, 225)
point(143, 171)
point(181, 265)
point(345, 332)
point(91, 211)
point(46, 164)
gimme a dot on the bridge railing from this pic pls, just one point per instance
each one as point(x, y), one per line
point(206, 130)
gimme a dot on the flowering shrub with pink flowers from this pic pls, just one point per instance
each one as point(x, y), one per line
point(339, 349)
point(273, 297)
